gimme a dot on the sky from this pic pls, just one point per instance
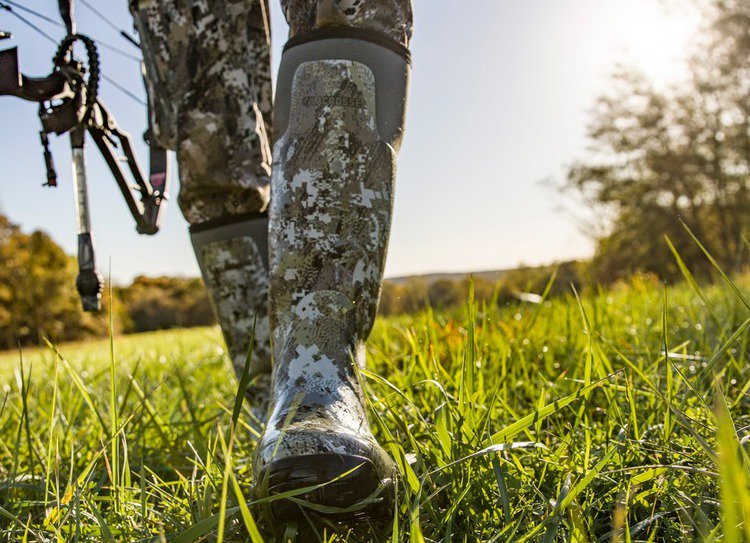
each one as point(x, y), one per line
point(498, 107)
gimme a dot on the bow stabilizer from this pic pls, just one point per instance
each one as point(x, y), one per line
point(69, 104)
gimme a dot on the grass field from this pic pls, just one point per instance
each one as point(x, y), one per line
point(621, 417)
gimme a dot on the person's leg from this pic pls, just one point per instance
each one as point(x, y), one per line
point(391, 18)
point(339, 114)
point(209, 86)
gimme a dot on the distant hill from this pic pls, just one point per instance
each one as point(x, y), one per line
point(489, 275)
point(408, 294)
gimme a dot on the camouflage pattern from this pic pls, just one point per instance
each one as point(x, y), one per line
point(237, 281)
point(209, 82)
point(392, 18)
point(208, 79)
point(330, 221)
point(207, 71)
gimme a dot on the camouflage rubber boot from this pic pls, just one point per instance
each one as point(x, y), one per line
point(340, 108)
point(233, 257)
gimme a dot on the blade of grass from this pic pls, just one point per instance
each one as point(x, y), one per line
point(525, 422)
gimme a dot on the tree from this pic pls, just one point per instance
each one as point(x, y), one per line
point(156, 303)
point(663, 160)
point(38, 296)
point(37, 290)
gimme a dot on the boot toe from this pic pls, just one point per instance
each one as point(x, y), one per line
point(347, 476)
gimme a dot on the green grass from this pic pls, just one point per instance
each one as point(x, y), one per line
point(563, 421)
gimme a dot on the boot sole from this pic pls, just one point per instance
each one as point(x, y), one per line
point(350, 489)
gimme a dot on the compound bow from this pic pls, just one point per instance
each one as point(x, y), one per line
point(69, 104)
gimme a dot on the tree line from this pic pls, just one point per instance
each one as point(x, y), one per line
point(38, 298)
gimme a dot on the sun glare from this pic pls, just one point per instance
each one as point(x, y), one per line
point(654, 38)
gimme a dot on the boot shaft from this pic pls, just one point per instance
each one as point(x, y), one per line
point(233, 258)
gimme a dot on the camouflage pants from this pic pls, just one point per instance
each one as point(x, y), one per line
point(208, 78)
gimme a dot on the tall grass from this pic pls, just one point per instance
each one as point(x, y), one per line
point(616, 415)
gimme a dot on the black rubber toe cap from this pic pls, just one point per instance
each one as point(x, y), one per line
point(346, 487)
